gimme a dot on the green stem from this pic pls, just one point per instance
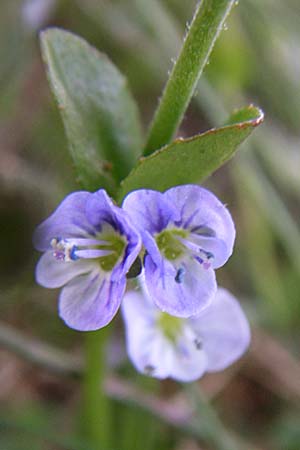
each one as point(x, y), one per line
point(198, 44)
point(96, 416)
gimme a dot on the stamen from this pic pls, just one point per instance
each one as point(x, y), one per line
point(206, 257)
point(202, 256)
point(180, 275)
point(198, 343)
point(107, 249)
point(84, 242)
point(64, 250)
point(92, 253)
point(202, 230)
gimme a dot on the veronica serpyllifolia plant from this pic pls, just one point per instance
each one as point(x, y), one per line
point(181, 326)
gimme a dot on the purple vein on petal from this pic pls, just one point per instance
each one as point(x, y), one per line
point(190, 219)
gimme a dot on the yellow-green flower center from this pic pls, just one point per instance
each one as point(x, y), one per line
point(115, 244)
point(171, 326)
point(169, 244)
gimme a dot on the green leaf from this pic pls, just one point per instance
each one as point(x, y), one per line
point(194, 159)
point(99, 114)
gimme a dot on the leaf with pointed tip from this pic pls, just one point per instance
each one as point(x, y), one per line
point(194, 159)
point(99, 114)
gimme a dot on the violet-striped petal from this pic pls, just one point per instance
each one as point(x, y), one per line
point(201, 212)
point(183, 295)
point(216, 249)
point(100, 210)
point(149, 210)
point(68, 220)
point(90, 302)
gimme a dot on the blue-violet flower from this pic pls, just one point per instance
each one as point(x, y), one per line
point(89, 246)
point(164, 346)
point(187, 233)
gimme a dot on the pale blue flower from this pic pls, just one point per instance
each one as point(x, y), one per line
point(89, 245)
point(184, 349)
point(187, 233)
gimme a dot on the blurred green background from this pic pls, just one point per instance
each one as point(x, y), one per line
point(256, 60)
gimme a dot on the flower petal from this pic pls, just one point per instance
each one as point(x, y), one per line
point(224, 330)
point(215, 246)
point(201, 212)
point(68, 220)
point(150, 351)
point(149, 210)
point(152, 249)
point(101, 210)
point(130, 254)
point(90, 301)
point(132, 249)
point(145, 345)
point(53, 273)
point(188, 362)
point(185, 298)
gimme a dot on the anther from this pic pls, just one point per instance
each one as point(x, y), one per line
point(180, 275)
point(208, 255)
point(198, 343)
point(63, 250)
point(206, 258)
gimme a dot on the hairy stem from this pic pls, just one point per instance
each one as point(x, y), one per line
point(199, 41)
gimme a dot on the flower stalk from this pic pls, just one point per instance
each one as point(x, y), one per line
point(96, 407)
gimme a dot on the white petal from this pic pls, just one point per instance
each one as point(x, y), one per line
point(90, 301)
point(144, 343)
point(189, 363)
point(150, 351)
point(224, 330)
